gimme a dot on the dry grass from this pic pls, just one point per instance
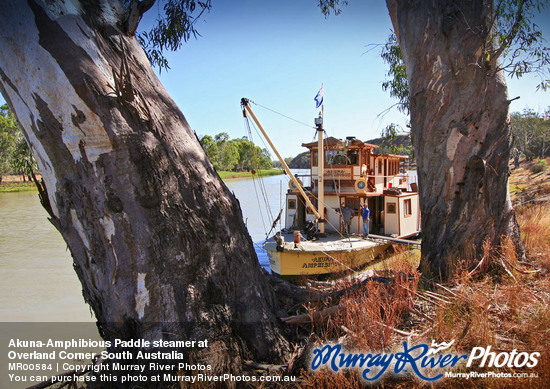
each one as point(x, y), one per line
point(505, 305)
point(369, 319)
point(534, 222)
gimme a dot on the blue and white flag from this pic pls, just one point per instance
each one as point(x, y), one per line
point(319, 97)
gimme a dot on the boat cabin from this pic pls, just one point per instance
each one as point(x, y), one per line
point(354, 174)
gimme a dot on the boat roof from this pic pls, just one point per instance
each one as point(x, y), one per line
point(336, 143)
point(339, 143)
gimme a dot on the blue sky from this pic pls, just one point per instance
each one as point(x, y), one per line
point(278, 53)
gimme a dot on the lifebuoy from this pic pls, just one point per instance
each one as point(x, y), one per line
point(292, 185)
point(361, 185)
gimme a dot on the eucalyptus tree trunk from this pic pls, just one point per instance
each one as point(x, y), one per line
point(157, 239)
point(460, 129)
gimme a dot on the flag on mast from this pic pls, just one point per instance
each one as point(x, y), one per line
point(319, 97)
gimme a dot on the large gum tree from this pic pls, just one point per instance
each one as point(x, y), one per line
point(157, 239)
point(456, 54)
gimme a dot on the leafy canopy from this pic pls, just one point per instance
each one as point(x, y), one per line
point(531, 132)
point(174, 25)
point(15, 154)
point(515, 39)
point(235, 154)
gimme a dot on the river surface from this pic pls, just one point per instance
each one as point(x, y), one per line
point(37, 280)
point(261, 201)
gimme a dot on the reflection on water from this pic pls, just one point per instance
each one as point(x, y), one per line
point(38, 282)
point(261, 202)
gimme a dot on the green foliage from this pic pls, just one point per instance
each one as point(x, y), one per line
point(397, 85)
point(328, 6)
point(278, 165)
point(531, 133)
point(174, 26)
point(518, 41)
point(15, 155)
point(515, 39)
point(235, 154)
point(392, 142)
point(538, 167)
point(23, 161)
point(9, 137)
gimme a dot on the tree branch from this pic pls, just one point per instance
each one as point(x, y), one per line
point(513, 32)
point(136, 11)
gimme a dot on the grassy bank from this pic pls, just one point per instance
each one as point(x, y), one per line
point(260, 173)
point(13, 186)
point(19, 186)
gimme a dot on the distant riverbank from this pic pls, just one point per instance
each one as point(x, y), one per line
point(13, 183)
point(260, 173)
point(16, 184)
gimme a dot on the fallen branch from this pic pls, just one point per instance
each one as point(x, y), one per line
point(395, 329)
point(313, 317)
point(440, 286)
point(437, 296)
point(422, 315)
point(423, 297)
point(518, 269)
point(264, 367)
point(508, 270)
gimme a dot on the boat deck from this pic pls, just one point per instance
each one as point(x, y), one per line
point(328, 243)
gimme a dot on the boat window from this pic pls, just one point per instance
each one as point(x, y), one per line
point(336, 157)
point(292, 204)
point(353, 157)
point(390, 208)
point(379, 162)
point(315, 162)
point(407, 207)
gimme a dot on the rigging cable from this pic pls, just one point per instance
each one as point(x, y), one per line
point(261, 182)
point(283, 115)
point(247, 125)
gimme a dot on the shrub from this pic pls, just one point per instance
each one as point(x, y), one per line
point(538, 167)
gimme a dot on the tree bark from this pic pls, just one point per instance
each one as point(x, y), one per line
point(157, 239)
point(460, 129)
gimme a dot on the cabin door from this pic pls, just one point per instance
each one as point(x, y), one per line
point(379, 201)
point(301, 213)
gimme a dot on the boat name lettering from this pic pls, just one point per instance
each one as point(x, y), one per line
point(321, 259)
point(318, 262)
point(335, 173)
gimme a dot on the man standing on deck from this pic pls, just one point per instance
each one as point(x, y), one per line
point(347, 214)
point(365, 212)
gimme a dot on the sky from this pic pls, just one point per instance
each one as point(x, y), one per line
point(278, 54)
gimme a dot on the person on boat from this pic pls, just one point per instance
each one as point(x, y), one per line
point(365, 213)
point(347, 215)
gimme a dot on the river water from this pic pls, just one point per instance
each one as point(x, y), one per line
point(37, 280)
